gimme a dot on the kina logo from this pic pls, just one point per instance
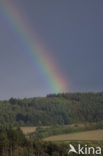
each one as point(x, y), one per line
point(84, 150)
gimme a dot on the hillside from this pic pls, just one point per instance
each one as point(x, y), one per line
point(54, 109)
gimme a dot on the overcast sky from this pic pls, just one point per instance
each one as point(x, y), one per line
point(71, 29)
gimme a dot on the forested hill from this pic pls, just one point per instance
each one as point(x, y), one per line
point(54, 109)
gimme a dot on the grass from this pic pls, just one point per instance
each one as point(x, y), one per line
point(27, 130)
point(87, 135)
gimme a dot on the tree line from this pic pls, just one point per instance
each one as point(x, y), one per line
point(66, 108)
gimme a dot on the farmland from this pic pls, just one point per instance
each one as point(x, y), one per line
point(27, 130)
point(87, 135)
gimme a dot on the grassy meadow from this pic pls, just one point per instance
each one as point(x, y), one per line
point(27, 130)
point(88, 135)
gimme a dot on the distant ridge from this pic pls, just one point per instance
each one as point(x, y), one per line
point(65, 108)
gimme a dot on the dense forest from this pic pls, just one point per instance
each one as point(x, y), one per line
point(14, 143)
point(54, 109)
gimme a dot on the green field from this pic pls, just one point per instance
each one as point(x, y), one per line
point(88, 135)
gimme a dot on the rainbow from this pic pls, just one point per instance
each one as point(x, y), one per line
point(56, 80)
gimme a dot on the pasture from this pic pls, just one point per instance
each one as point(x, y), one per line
point(28, 130)
point(87, 135)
